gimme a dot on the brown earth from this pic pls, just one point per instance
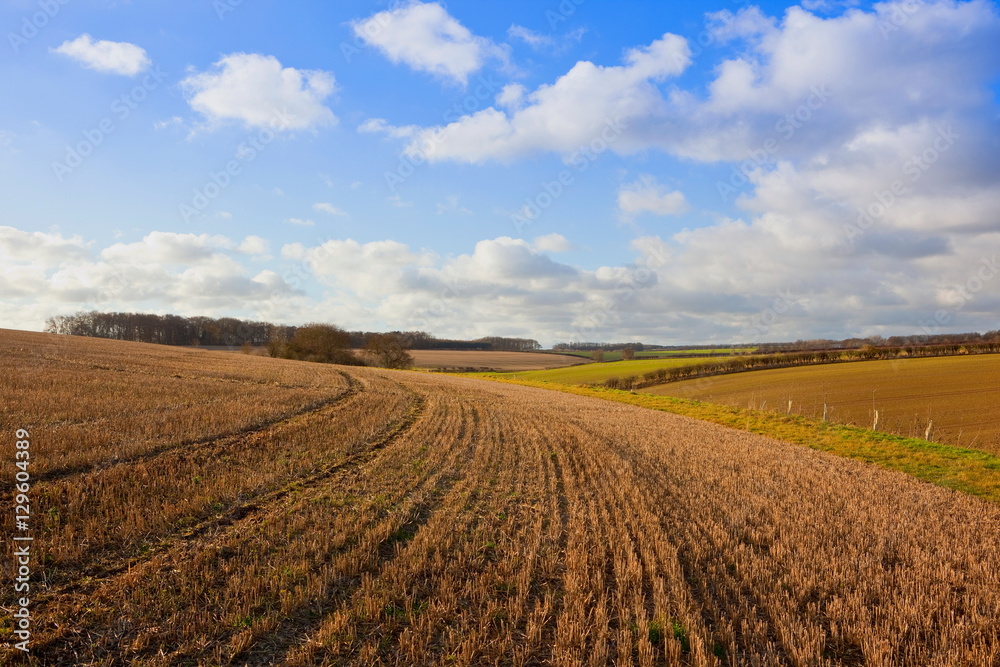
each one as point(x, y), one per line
point(957, 397)
point(497, 361)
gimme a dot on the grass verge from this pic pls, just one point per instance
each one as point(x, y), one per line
point(967, 470)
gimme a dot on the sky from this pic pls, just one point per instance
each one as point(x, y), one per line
point(571, 170)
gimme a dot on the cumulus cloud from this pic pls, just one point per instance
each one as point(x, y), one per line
point(528, 36)
point(104, 56)
point(799, 85)
point(763, 278)
point(582, 104)
point(425, 37)
point(552, 243)
point(330, 209)
point(46, 274)
point(259, 92)
point(646, 195)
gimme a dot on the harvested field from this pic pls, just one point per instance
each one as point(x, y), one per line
point(496, 361)
point(420, 519)
point(595, 373)
point(960, 395)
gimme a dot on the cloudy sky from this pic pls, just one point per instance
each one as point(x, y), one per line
point(564, 170)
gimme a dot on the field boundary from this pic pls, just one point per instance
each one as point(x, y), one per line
point(751, 363)
point(968, 471)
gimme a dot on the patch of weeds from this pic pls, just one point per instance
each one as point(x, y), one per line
point(656, 633)
point(680, 634)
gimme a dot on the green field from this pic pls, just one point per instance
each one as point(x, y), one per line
point(595, 373)
point(708, 351)
point(616, 355)
point(958, 397)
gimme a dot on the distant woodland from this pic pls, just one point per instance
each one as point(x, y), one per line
point(232, 332)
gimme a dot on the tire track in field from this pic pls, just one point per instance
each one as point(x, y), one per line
point(251, 508)
point(217, 440)
point(432, 491)
point(243, 505)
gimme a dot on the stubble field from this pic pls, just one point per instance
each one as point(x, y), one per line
point(485, 359)
point(192, 507)
point(958, 397)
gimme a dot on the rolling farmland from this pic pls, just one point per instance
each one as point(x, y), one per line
point(193, 507)
point(960, 395)
point(595, 373)
point(500, 361)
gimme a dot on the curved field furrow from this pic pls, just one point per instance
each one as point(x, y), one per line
point(232, 482)
point(214, 441)
point(213, 537)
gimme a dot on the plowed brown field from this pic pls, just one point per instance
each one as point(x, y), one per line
point(191, 507)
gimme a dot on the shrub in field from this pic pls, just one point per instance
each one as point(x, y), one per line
point(389, 351)
point(321, 342)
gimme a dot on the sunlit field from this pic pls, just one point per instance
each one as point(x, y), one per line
point(954, 400)
point(596, 373)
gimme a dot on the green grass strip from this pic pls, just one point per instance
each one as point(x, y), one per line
point(967, 470)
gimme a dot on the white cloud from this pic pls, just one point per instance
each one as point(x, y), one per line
point(162, 248)
point(300, 222)
point(646, 195)
point(451, 204)
point(104, 56)
point(511, 96)
point(583, 104)
point(552, 243)
point(46, 274)
point(529, 37)
point(253, 245)
point(170, 122)
point(708, 284)
point(799, 85)
point(381, 126)
point(324, 207)
point(427, 38)
point(540, 42)
point(257, 91)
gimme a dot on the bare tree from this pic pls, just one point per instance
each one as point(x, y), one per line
point(597, 355)
point(389, 351)
point(628, 353)
point(321, 342)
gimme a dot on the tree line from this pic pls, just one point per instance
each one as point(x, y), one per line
point(233, 332)
point(783, 360)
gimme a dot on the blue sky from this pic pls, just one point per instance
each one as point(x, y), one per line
point(581, 170)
